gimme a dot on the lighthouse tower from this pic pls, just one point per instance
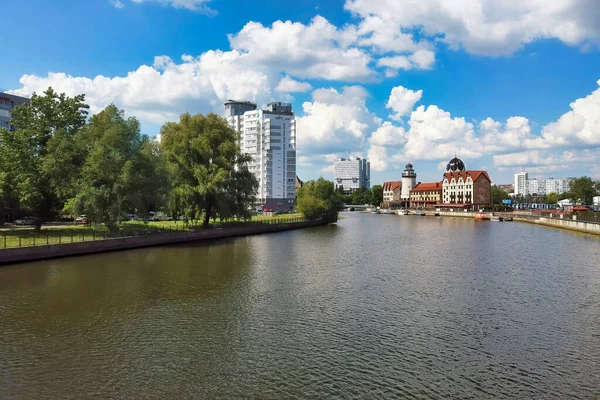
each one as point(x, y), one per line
point(409, 181)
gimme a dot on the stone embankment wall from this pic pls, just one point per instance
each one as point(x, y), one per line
point(570, 224)
point(573, 225)
point(24, 254)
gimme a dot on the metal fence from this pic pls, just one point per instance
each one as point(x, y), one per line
point(15, 238)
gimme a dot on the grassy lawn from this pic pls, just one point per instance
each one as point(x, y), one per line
point(27, 237)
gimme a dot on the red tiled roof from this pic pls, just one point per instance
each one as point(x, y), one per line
point(580, 208)
point(429, 186)
point(474, 175)
point(391, 185)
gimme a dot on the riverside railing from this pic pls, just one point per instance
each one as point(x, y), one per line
point(24, 237)
point(594, 219)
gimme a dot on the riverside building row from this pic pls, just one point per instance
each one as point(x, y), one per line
point(459, 188)
point(269, 137)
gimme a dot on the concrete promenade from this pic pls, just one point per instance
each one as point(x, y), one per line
point(25, 254)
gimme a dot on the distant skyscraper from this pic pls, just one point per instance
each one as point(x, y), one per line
point(7, 103)
point(269, 136)
point(352, 173)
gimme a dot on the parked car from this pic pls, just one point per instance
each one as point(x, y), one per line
point(158, 216)
point(82, 219)
point(26, 221)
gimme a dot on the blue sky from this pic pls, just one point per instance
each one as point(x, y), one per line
point(505, 85)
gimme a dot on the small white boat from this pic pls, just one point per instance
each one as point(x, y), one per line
point(388, 212)
point(419, 214)
point(402, 212)
point(496, 219)
point(375, 212)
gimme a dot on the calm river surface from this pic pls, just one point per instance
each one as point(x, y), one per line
point(376, 307)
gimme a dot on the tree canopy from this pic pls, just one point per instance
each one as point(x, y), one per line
point(318, 199)
point(498, 195)
point(39, 159)
point(208, 172)
point(122, 170)
point(583, 189)
point(377, 195)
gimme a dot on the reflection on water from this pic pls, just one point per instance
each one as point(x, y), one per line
point(378, 306)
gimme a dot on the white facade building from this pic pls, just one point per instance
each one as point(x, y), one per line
point(352, 174)
point(540, 187)
point(269, 136)
point(520, 186)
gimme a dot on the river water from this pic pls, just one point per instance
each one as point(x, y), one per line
point(376, 307)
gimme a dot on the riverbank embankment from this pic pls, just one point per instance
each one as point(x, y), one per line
point(26, 254)
point(568, 222)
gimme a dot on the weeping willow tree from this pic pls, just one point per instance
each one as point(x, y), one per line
point(209, 174)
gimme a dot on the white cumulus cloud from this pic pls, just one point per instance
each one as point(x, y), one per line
point(486, 27)
point(335, 121)
point(402, 101)
point(289, 85)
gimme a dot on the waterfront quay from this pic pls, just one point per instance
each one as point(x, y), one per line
point(554, 220)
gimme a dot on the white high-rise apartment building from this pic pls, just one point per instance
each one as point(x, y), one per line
point(520, 186)
point(540, 187)
point(352, 173)
point(269, 136)
point(543, 187)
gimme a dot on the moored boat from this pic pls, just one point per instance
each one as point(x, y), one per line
point(481, 217)
point(375, 212)
point(402, 212)
point(419, 214)
point(388, 212)
point(497, 219)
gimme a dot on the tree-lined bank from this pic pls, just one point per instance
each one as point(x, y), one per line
point(60, 162)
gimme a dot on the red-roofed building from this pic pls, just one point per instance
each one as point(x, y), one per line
point(426, 195)
point(391, 193)
point(465, 188)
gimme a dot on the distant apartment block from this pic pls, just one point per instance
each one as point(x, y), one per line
point(352, 174)
point(7, 103)
point(520, 186)
point(269, 137)
point(540, 187)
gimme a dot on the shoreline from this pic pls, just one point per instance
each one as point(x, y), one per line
point(565, 224)
point(46, 252)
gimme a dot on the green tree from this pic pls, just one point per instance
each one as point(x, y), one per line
point(317, 199)
point(552, 198)
point(498, 195)
point(28, 156)
point(583, 189)
point(310, 206)
point(208, 172)
point(121, 172)
point(377, 195)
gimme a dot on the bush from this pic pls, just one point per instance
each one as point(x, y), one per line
point(317, 199)
point(312, 207)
